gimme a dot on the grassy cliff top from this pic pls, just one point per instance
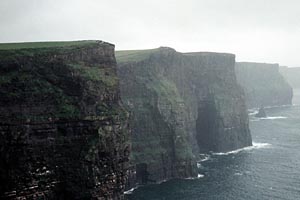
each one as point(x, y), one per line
point(134, 55)
point(60, 86)
point(256, 64)
point(139, 55)
point(209, 54)
point(38, 45)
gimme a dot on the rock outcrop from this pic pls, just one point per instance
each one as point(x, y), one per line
point(181, 104)
point(63, 132)
point(261, 113)
point(263, 84)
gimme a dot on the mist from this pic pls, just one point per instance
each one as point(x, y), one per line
point(257, 30)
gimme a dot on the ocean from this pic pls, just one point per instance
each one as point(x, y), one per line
point(269, 170)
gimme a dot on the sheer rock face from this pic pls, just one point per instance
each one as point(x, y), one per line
point(63, 131)
point(263, 84)
point(181, 104)
point(291, 74)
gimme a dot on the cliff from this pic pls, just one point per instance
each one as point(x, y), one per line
point(263, 84)
point(291, 75)
point(63, 131)
point(181, 105)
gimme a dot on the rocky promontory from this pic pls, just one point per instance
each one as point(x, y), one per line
point(63, 131)
point(263, 84)
point(291, 74)
point(181, 104)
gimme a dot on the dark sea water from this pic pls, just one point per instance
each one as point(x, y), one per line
point(267, 171)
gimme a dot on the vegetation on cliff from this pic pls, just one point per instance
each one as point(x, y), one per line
point(64, 132)
point(167, 93)
point(39, 72)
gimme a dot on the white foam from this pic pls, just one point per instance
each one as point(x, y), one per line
point(275, 117)
point(270, 107)
point(162, 181)
point(130, 191)
point(205, 157)
point(254, 146)
point(253, 113)
point(280, 106)
point(200, 176)
point(194, 178)
point(198, 165)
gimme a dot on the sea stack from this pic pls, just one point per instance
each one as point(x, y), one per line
point(261, 113)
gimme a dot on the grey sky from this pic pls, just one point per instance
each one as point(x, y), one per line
point(255, 30)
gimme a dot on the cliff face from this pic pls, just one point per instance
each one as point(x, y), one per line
point(291, 74)
point(263, 84)
point(63, 131)
point(181, 104)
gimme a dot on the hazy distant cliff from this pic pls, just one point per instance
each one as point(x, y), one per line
point(292, 75)
point(181, 104)
point(63, 132)
point(263, 84)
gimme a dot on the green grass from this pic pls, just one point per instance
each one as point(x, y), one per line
point(105, 75)
point(33, 45)
point(134, 55)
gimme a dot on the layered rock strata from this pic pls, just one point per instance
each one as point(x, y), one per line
point(181, 104)
point(63, 131)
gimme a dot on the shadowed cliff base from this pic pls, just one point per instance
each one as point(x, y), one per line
point(181, 104)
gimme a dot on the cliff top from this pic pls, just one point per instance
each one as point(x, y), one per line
point(256, 64)
point(55, 44)
point(134, 55)
point(208, 54)
point(139, 55)
point(65, 80)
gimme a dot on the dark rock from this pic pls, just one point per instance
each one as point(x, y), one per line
point(261, 113)
point(181, 104)
point(63, 131)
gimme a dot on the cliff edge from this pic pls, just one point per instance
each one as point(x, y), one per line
point(181, 104)
point(63, 131)
point(263, 84)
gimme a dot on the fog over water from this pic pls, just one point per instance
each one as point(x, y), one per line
point(256, 30)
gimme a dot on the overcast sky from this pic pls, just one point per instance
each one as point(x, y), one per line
point(254, 30)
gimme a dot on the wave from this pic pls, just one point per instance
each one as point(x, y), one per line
point(269, 107)
point(251, 113)
point(254, 120)
point(194, 178)
point(204, 157)
point(279, 106)
point(131, 190)
point(275, 117)
point(254, 146)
